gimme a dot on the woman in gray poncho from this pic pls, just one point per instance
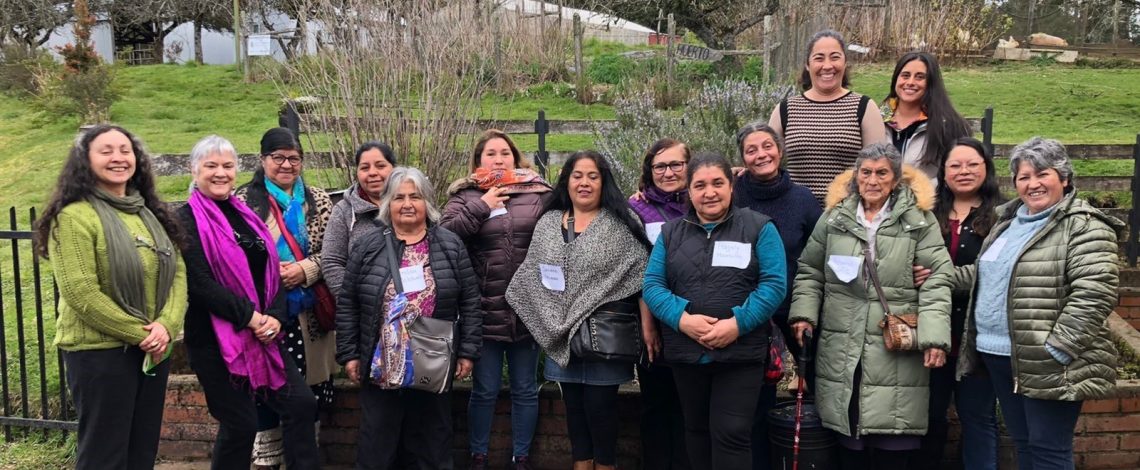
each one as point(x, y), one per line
point(588, 252)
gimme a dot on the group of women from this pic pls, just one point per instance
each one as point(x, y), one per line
point(839, 217)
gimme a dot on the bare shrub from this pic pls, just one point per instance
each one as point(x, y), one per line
point(948, 28)
point(709, 123)
point(411, 73)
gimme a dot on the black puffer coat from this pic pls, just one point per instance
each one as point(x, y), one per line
point(498, 247)
point(360, 304)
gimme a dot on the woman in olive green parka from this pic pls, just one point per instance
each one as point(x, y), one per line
point(833, 296)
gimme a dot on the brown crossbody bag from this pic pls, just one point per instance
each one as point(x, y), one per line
point(900, 331)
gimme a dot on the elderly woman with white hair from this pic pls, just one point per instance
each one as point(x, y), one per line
point(1041, 290)
point(237, 307)
point(398, 278)
point(854, 273)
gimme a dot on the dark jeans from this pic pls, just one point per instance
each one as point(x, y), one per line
point(591, 421)
point(974, 401)
point(1041, 429)
point(662, 423)
point(719, 401)
point(120, 408)
point(522, 366)
point(232, 403)
point(411, 427)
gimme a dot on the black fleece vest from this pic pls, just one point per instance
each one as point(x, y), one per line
point(710, 290)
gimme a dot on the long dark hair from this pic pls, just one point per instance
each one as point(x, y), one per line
point(647, 162)
point(612, 198)
point(76, 182)
point(944, 125)
point(805, 77)
point(985, 215)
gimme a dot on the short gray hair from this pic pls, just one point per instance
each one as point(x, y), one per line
point(1042, 154)
point(759, 126)
point(423, 187)
point(209, 145)
point(876, 152)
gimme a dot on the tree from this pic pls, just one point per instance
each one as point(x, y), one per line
point(213, 15)
point(716, 22)
point(31, 22)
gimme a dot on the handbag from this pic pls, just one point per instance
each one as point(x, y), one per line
point(774, 372)
point(324, 307)
point(612, 333)
point(900, 331)
point(431, 340)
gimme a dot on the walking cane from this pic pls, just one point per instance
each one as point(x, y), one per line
point(801, 364)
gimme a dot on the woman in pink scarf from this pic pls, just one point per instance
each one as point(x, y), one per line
point(234, 319)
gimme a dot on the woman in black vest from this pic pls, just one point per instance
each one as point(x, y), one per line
point(715, 278)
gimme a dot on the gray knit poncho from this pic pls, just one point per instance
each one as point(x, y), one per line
point(603, 264)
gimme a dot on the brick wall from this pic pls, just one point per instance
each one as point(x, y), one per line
point(188, 430)
point(1107, 434)
point(1129, 306)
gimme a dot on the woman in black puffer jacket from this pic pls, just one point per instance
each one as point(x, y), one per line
point(398, 423)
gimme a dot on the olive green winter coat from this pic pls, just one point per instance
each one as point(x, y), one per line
point(894, 393)
point(1062, 288)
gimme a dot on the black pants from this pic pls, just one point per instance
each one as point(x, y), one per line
point(410, 427)
point(591, 421)
point(662, 423)
point(719, 401)
point(120, 408)
point(232, 403)
point(875, 459)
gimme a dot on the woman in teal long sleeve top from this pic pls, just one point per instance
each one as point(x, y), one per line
point(715, 277)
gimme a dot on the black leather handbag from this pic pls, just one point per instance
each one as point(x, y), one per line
point(612, 333)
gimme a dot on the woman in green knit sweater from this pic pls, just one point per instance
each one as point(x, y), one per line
point(113, 246)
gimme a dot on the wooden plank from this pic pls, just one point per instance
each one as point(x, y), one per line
point(1080, 151)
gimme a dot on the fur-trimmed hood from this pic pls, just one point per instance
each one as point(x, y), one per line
point(913, 178)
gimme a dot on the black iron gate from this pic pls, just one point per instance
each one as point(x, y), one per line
point(33, 391)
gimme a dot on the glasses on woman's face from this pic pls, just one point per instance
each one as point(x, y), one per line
point(281, 159)
point(675, 167)
point(958, 167)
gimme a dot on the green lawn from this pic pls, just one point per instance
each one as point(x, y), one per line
point(1085, 106)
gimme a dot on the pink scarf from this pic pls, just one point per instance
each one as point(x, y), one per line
point(245, 356)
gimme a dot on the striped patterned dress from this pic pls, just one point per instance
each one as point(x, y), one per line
point(821, 139)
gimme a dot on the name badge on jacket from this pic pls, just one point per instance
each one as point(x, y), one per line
point(731, 254)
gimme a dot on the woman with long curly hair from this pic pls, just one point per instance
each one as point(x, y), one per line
point(114, 249)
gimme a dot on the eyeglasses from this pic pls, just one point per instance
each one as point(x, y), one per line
point(972, 167)
point(675, 167)
point(281, 159)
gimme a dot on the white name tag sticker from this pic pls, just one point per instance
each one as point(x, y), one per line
point(552, 277)
point(846, 268)
point(653, 231)
point(413, 278)
point(497, 212)
point(732, 254)
point(994, 250)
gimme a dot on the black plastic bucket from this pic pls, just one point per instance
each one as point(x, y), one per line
point(818, 447)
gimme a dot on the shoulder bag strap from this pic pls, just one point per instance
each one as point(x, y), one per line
point(394, 261)
point(864, 101)
point(660, 212)
point(869, 266)
point(289, 240)
point(570, 235)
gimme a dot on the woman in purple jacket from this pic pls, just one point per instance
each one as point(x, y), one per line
point(663, 197)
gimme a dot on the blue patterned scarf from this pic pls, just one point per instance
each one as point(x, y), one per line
point(292, 207)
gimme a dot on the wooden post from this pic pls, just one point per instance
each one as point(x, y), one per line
point(542, 20)
point(1032, 13)
point(1134, 213)
point(988, 130)
point(1116, 24)
point(887, 36)
point(542, 157)
point(766, 45)
point(237, 32)
point(670, 57)
point(578, 69)
point(497, 31)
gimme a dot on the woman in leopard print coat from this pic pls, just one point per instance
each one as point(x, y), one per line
point(303, 212)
